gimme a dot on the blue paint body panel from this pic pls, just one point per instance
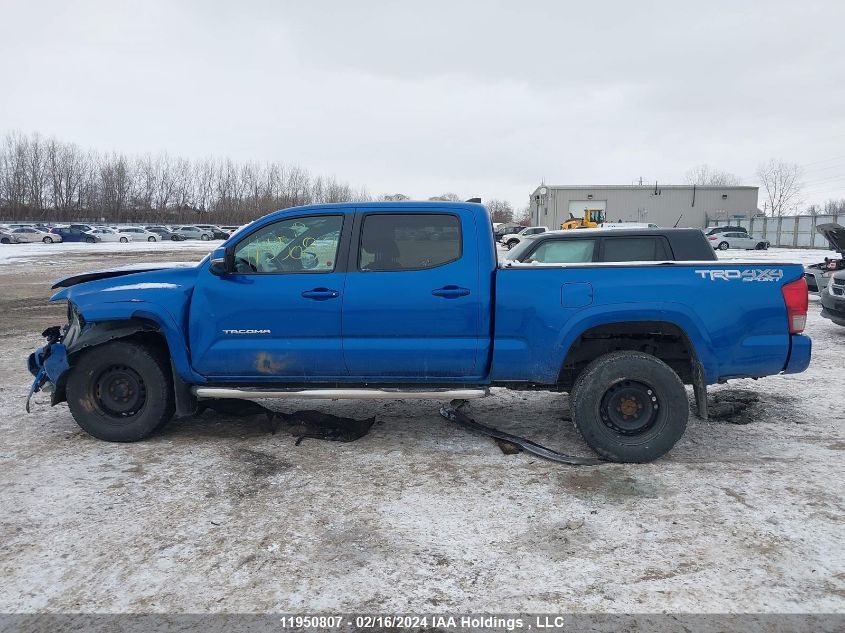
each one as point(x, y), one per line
point(515, 324)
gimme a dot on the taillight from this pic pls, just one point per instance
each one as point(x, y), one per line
point(712, 237)
point(795, 297)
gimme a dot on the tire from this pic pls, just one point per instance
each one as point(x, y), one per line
point(762, 246)
point(47, 239)
point(124, 240)
point(90, 240)
point(723, 246)
point(653, 396)
point(5, 240)
point(204, 237)
point(174, 238)
point(151, 239)
point(512, 243)
point(101, 380)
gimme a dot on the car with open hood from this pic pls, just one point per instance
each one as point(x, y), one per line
point(818, 275)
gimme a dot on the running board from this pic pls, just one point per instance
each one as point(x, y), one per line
point(249, 393)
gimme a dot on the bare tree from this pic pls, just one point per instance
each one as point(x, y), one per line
point(709, 176)
point(500, 210)
point(782, 185)
point(393, 197)
point(447, 197)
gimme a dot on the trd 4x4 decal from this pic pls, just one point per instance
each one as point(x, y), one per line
point(747, 274)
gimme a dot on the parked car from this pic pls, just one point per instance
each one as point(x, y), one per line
point(138, 234)
point(193, 233)
point(16, 225)
point(30, 234)
point(736, 239)
point(818, 275)
point(217, 233)
point(506, 229)
point(164, 233)
point(401, 317)
point(68, 234)
point(512, 239)
point(833, 298)
point(104, 234)
point(712, 230)
point(612, 245)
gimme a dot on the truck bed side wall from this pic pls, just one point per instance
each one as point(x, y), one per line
point(737, 327)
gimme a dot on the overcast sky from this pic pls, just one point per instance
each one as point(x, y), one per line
point(479, 98)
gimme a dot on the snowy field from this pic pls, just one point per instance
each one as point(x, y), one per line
point(218, 514)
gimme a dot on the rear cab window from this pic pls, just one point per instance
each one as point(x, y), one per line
point(565, 251)
point(635, 249)
point(408, 241)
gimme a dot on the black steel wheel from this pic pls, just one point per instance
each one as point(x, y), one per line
point(120, 391)
point(629, 406)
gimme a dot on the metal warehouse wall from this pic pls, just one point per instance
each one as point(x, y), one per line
point(793, 231)
point(643, 204)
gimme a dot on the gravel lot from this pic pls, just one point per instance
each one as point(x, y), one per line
point(218, 514)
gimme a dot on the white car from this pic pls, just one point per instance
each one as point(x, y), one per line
point(109, 235)
point(512, 239)
point(29, 234)
point(138, 234)
point(193, 233)
point(735, 239)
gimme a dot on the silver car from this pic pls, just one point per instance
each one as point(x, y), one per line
point(193, 233)
point(29, 235)
point(736, 239)
point(138, 234)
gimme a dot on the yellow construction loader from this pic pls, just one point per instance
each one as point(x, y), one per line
point(592, 218)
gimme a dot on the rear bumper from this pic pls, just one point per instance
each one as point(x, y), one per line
point(799, 355)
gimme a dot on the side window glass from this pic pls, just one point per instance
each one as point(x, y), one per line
point(408, 241)
point(295, 245)
point(563, 252)
point(634, 249)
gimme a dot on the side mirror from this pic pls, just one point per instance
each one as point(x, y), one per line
point(222, 261)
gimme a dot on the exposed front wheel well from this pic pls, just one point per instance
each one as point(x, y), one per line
point(663, 340)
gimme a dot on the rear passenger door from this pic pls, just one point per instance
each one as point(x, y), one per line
point(412, 304)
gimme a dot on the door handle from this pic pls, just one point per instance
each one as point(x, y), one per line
point(450, 292)
point(320, 294)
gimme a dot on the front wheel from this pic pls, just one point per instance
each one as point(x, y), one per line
point(124, 240)
point(723, 246)
point(151, 239)
point(512, 243)
point(762, 246)
point(5, 240)
point(47, 240)
point(90, 240)
point(630, 407)
point(174, 238)
point(204, 237)
point(120, 392)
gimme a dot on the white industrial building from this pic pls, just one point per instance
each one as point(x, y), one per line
point(664, 205)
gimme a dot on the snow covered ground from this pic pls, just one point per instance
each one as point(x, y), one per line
point(218, 514)
point(21, 253)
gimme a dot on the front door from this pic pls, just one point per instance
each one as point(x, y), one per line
point(412, 306)
point(277, 318)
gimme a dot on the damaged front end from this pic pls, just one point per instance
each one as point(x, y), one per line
point(50, 363)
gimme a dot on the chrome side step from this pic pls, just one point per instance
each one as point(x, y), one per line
point(249, 393)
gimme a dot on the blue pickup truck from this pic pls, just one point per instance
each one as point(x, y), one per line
point(408, 300)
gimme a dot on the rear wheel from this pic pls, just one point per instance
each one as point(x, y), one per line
point(5, 240)
point(762, 246)
point(629, 407)
point(174, 238)
point(512, 243)
point(47, 240)
point(124, 239)
point(90, 240)
point(204, 237)
point(723, 246)
point(120, 392)
point(151, 239)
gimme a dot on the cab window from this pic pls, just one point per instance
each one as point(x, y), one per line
point(408, 241)
point(635, 249)
point(578, 251)
point(295, 245)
